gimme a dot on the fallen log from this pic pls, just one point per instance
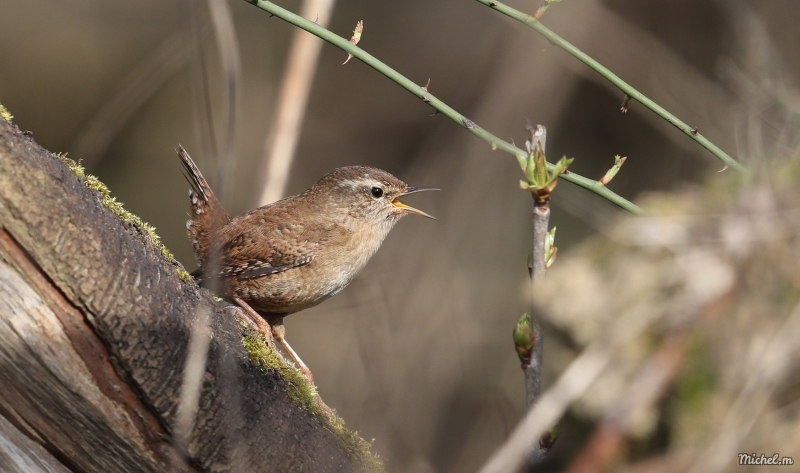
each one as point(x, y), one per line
point(95, 325)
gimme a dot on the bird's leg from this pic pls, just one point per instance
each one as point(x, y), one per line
point(279, 332)
point(261, 324)
point(274, 331)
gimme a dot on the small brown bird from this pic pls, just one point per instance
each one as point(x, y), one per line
point(295, 253)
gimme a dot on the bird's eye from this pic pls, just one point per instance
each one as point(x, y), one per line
point(377, 192)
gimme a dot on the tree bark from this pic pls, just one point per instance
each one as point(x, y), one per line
point(94, 331)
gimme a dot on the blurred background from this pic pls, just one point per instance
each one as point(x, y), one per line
point(416, 353)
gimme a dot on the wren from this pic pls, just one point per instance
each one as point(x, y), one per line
point(295, 253)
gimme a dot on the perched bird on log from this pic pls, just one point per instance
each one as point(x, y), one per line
point(295, 253)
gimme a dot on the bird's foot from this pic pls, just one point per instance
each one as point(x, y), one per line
point(307, 373)
point(261, 325)
point(278, 333)
point(274, 332)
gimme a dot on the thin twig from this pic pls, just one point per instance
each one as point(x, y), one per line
point(281, 141)
point(533, 368)
point(528, 339)
point(493, 141)
point(572, 384)
point(630, 92)
point(541, 220)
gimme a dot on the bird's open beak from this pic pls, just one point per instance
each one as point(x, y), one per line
point(412, 210)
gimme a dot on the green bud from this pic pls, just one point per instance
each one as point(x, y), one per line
point(523, 338)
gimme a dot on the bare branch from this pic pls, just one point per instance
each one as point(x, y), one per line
point(575, 380)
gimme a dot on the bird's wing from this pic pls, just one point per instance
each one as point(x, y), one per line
point(256, 252)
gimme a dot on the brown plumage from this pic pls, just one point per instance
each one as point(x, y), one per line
point(295, 253)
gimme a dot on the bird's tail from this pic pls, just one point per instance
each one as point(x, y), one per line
point(207, 215)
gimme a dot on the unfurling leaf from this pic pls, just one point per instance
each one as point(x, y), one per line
point(618, 162)
point(355, 38)
point(540, 181)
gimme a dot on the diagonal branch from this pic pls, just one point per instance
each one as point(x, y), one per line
point(630, 92)
point(435, 103)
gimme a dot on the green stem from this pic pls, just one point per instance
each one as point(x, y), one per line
point(437, 104)
point(616, 80)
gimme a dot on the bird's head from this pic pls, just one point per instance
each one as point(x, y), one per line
point(368, 193)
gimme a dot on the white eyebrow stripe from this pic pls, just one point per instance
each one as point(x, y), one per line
point(356, 183)
point(349, 183)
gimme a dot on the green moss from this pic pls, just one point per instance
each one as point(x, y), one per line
point(304, 395)
point(299, 390)
point(117, 209)
point(4, 113)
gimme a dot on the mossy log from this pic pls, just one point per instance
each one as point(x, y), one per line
point(95, 327)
